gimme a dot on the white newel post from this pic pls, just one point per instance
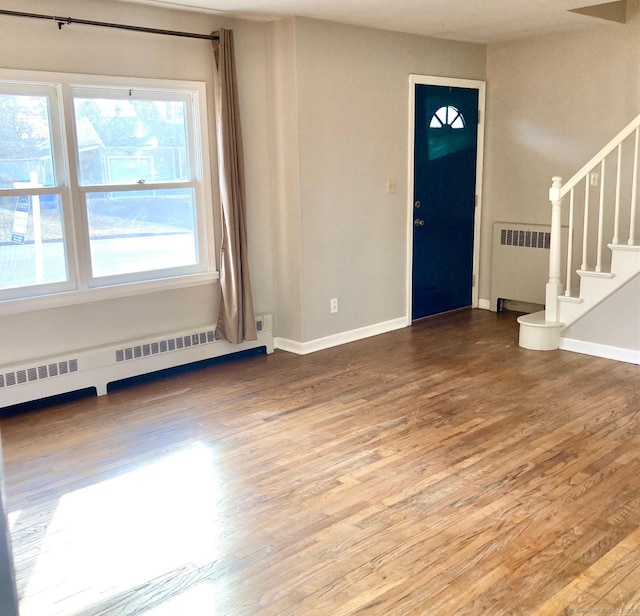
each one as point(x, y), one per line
point(554, 286)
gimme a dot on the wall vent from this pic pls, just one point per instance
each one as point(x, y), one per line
point(97, 367)
point(520, 262)
point(38, 373)
point(525, 238)
point(164, 345)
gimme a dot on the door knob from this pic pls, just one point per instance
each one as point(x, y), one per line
point(417, 204)
point(418, 222)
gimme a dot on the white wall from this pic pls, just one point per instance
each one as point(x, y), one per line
point(553, 102)
point(353, 88)
point(39, 45)
point(615, 322)
point(285, 177)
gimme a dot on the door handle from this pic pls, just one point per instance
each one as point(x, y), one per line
point(418, 222)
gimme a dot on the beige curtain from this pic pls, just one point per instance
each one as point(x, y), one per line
point(236, 321)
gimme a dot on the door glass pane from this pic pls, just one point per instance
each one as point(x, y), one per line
point(31, 241)
point(458, 122)
point(447, 138)
point(141, 231)
point(124, 141)
point(441, 114)
point(447, 116)
point(25, 141)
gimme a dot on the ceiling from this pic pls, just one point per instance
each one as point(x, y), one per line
point(477, 21)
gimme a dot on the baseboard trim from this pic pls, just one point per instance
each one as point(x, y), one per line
point(291, 346)
point(100, 366)
point(484, 304)
point(605, 351)
point(304, 348)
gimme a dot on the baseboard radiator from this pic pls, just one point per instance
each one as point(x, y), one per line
point(520, 262)
point(98, 367)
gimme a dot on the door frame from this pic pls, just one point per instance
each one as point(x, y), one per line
point(453, 82)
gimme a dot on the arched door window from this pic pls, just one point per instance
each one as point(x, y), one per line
point(447, 116)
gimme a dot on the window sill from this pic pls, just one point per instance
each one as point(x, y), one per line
point(86, 296)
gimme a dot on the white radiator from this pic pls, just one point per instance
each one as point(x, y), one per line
point(97, 367)
point(520, 262)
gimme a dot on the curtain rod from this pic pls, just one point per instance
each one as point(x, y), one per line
point(65, 21)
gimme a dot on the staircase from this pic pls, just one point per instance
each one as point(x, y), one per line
point(603, 245)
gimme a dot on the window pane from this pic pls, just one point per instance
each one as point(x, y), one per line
point(31, 253)
point(441, 114)
point(25, 141)
point(129, 141)
point(141, 231)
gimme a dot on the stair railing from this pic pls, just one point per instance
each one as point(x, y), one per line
point(594, 171)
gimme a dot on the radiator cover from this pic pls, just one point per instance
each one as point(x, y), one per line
point(520, 262)
point(97, 367)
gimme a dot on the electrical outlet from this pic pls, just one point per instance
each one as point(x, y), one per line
point(392, 187)
point(593, 178)
point(334, 305)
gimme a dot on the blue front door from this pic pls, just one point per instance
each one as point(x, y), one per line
point(445, 152)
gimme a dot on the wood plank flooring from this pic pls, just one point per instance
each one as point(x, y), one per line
point(438, 470)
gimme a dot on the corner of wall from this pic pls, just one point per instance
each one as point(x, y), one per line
point(285, 176)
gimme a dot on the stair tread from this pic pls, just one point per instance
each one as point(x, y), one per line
point(594, 274)
point(574, 299)
point(537, 319)
point(630, 247)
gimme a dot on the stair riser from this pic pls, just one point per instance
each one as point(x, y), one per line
point(537, 334)
point(593, 290)
point(625, 263)
point(569, 312)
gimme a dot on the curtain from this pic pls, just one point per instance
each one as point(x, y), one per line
point(236, 321)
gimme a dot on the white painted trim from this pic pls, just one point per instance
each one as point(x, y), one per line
point(630, 356)
point(484, 304)
point(481, 86)
point(86, 296)
point(304, 348)
point(99, 366)
point(72, 193)
point(291, 346)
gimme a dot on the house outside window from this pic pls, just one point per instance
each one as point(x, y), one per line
point(104, 182)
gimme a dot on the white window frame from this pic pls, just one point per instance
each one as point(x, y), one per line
point(81, 287)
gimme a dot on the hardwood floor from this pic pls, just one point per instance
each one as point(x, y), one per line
point(438, 470)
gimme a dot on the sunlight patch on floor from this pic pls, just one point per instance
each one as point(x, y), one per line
point(12, 518)
point(197, 601)
point(119, 534)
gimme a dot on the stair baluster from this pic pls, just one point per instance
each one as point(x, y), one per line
point(634, 193)
point(554, 286)
point(543, 330)
point(616, 216)
point(570, 246)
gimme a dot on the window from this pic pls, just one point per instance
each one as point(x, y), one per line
point(447, 116)
point(103, 182)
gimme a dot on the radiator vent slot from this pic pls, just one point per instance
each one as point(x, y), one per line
point(526, 239)
point(164, 345)
point(37, 373)
point(520, 262)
